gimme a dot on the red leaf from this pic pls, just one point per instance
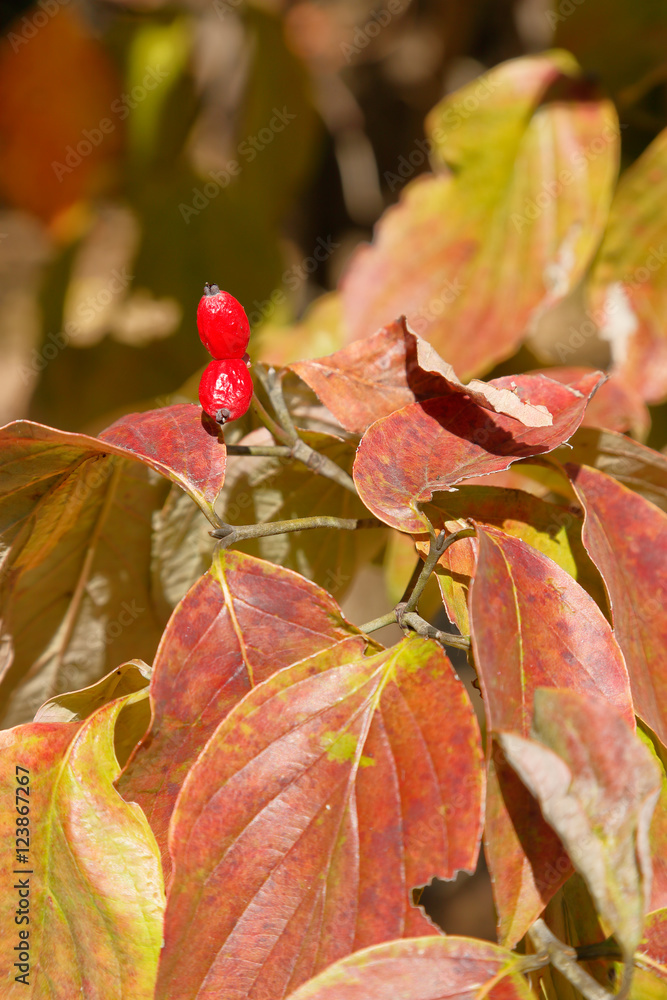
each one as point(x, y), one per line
point(407, 456)
point(240, 623)
point(328, 793)
point(179, 443)
point(431, 968)
point(626, 537)
point(615, 406)
point(532, 626)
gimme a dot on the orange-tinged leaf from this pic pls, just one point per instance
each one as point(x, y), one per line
point(327, 794)
point(532, 625)
point(240, 623)
point(626, 537)
point(597, 786)
point(471, 256)
point(48, 119)
point(430, 968)
point(627, 289)
point(429, 446)
point(96, 888)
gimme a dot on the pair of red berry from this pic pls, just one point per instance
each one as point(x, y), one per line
point(225, 389)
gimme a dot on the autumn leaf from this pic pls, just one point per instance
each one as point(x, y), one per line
point(96, 888)
point(532, 625)
point(320, 771)
point(597, 786)
point(429, 968)
point(75, 515)
point(626, 537)
point(241, 622)
point(371, 378)
point(429, 446)
point(506, 228)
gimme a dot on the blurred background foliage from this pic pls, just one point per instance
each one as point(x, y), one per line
point(148, 147)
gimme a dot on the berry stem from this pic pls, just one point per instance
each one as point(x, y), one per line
point(286, 431)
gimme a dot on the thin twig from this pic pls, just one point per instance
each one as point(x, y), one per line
point(388, 619)
point(422, 627)
point(229, 534)
point(273, 387)
point(268, 421)
point(438, 545)
point(288, 434)
point(564, 959)
point(261, 450)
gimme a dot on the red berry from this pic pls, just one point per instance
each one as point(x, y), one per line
point(225, 389)
point(223, 325)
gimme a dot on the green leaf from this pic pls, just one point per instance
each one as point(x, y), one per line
point(511, 226)
point(96, 888)
point(627, 290)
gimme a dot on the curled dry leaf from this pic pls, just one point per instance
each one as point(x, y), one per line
point(371, 378)
point(429, 446)
point(319, 772)
point(597, 786)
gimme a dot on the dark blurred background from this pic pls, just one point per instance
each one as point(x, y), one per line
point(148, 147)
